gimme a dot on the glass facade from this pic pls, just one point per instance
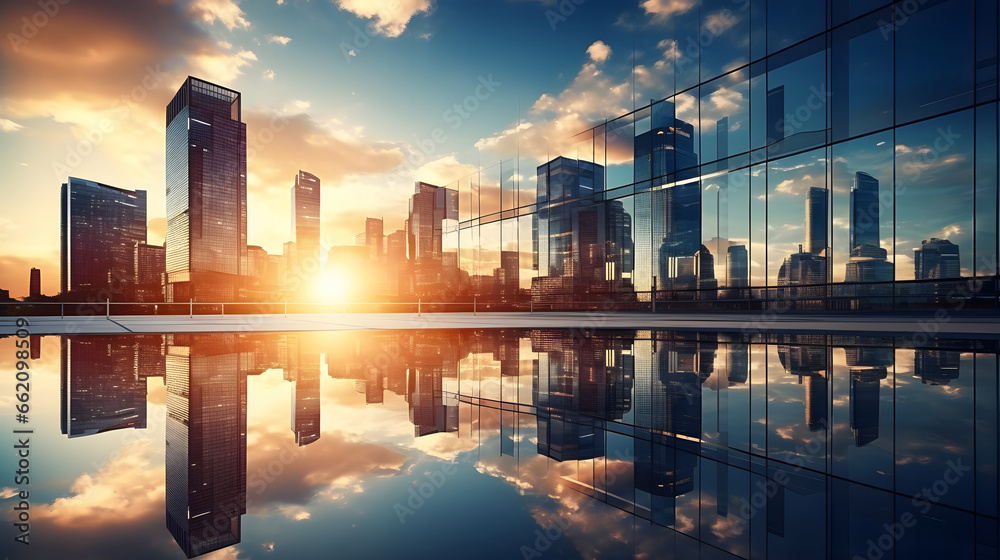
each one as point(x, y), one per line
point(101, 225)
point(206, 191)
point(781, 154)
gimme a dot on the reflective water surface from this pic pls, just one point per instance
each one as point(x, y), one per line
point(511, 444)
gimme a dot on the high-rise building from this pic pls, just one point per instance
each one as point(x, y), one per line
point(375, 238)
point(306, 230)
point(737, 266)
point(397, 266)
point(816, 216)
point(869, 263)
point(100, 226)
point(433, 211)
point(864, 218)
point(35, 283)
point(206, 441)
point(206, 190)
point(150, 263)
point(936, 259)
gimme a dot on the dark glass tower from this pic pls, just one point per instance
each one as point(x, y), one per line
point(864, 219)
point(35, 283)
point(816, 213)
point(100, 227)
point(101, 388)
point(206, 184)
point(306, 229)
point(935, 259)
point(206, 448)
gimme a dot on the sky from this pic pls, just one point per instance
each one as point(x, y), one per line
point(350, 90)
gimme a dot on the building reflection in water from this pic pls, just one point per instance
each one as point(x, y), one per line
point(660, 425)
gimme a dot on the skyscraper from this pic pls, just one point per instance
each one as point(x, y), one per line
point(206, 442)
point(738, 266)
point(816, 213)
point(35, 283)
point(306, 229)
point(206, 181)
point(150, 263)
point(374, 238)
point(936, 259)
point(432, 211)
point(864, 218)
point(100, 226)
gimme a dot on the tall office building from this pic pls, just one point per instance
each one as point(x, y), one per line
point(936, 259)
point(206, 441)
point(816, 215)
point(375, 238)
point(433, 211)
point(35, 283)
point(206, 182)
point(737, 266)
point(100, 226)
point(864, 218)
point(150, 264)
point(306, 230)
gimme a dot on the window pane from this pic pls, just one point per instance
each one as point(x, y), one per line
point(934, 198)
point(725, 114)
point(797, 201)
point(861, 75)
point(934, 59)
point(790, 21)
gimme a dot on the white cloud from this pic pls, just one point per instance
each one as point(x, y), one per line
point(225, 45)
point(661, 10)
point(9, 126)
point(279, 39)
point(949, 231)
point(280, 2)
point(444, 170)
point(599, 51)
point(223, 67)
point(391, 18)
point(226, 12)
point(268, 74)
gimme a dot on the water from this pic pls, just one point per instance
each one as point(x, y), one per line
point(509, 444)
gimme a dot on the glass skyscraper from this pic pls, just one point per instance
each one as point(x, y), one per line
point(851, 151)
point(101, 225)
point(206, 191)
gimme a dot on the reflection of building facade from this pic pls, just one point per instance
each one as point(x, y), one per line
point(303, 371)
point(936, 259)
point(433, 213)
point(101, 387)
point(206, 194)
point(811, 364)
point(582, 247)
point(868, 367)
point(206, 431)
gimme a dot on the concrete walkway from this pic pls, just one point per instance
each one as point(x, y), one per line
point(944, 323)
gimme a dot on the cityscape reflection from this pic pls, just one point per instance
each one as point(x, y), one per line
point(720, 444)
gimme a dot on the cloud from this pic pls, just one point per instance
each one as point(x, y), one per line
point(949, 231)
point(279, 39)
point(223, 67)
point(554, 119)
point(444, 170)
point(268, 74)
point(662, 10)
point(391, 18)
point(599, 51)
point(9, 126)
point(227, 12)
point(128, 486)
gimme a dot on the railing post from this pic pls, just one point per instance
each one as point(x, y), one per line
point(531, 306)
point(653, 298)
point(473, 306)
point(286, 308)
point(418, 307)
point(62, 310)
point(108, 316)
point(223, 309)
point(191, 308)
